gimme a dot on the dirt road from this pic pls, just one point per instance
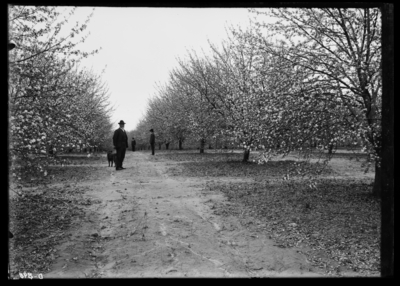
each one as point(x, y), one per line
point(148, 224)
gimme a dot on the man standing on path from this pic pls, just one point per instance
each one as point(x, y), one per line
point(120, 141)
point(152, 141)
point(133, 144)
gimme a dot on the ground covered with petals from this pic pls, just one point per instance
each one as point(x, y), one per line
point(337, 223)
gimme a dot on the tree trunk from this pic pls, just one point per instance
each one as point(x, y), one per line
point(387, 167)
point(202, 143)
point(246, 155)
point(180, 144)
point(209, 146)
point(330, 149)
point(166, 146)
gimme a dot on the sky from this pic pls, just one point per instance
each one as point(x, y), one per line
point(140, 46)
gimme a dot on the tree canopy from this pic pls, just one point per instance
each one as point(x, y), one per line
point(310, 78)
point(54, 103)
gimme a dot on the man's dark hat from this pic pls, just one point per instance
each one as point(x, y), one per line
point(121, 122)
point(151, 130)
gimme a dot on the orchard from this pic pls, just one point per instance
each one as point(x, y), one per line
point(308, 82)
point(274, 152)
point(55, 105)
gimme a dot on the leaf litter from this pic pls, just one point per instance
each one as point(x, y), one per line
point(335, 222)
point(42, 212)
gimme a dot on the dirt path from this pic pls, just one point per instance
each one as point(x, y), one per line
point(147, 224)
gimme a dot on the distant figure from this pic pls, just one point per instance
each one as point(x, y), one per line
point(133, 144)
point(152, 141)
point(120, 141)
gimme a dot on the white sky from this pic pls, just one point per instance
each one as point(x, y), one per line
point(140, 47)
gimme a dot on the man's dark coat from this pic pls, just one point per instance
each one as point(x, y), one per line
point(152, 138)
point(152, 142)
point(133, 144)
point(120, 141)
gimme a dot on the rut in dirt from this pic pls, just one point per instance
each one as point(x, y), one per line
point(147, 224)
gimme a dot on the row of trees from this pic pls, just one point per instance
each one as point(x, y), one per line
point(54, 104)
point(311, 77)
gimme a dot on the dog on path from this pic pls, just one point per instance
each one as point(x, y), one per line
point(112, 158)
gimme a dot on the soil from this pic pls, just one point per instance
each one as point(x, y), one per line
point(147, 223)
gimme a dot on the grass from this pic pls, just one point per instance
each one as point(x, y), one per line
point(230, 164)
